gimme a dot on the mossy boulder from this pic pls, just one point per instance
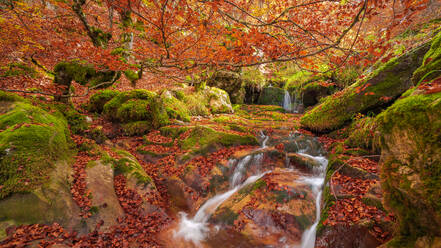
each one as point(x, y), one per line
point(137, 110)
point(31, 141)
point(82, 73)
point(380, 88)
point(99, 99)
point(431, 66)
point(411, 165)
point(362, 134)
point(202, 136)
point(49, 203)
point(271, 96)
point(218, 100)
point(111, 108)
point(229, 81)
point(311, 93)
point(175, 108)
point(35, 175)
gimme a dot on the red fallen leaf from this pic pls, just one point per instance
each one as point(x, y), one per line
point(377, 229)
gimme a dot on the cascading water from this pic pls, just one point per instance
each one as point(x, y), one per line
point(292, 105)
point(287, 105)
point(316, 182)
point(197, 229)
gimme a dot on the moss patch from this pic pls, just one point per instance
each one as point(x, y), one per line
point(411, 162)
point(31, 141)
point(431, 66)
point(202, 136)
point(99, 99)
point(381, 87)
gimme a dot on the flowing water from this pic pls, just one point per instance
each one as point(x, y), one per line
point(287, 104)
point(292, 105)
point(196, 229)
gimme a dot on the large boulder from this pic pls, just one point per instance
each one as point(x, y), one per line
point(312, 92)
point(229, 81)
point(380, 88)
point(411, 167)
point(35, 175)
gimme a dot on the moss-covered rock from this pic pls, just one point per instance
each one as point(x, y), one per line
point(49, 203)
point(411, 165)
point(218, 101)
point(31, 141)
point(362, 134)
point(229, 81)
point(381, 87)
point(174, 107)
point(431, 66)
point(271, 96)
point(312, 92)
point(81, 73)
point(99, 99)
point(111, 108)
point(202, 136)
point(137, 127)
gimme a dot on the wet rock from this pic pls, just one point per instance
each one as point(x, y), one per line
point(346, 236)
point(303, 162)
point(267, 215)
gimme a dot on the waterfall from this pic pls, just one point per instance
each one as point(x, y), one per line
point(287, 102)
point(316, 183)
point(196, 229)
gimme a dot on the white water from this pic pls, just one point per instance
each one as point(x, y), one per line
point(291, 105)
point(197, 228)
point(316, 182)
point(287, 105)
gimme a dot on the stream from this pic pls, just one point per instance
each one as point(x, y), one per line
point(248, 169)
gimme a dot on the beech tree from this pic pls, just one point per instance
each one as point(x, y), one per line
point(174, 38)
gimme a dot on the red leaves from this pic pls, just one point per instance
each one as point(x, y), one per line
point(431, 87)
point(206, 164)
point(80, 193)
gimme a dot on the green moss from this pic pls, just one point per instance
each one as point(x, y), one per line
point(17, 69)
point(202, 136)
point(174, 107)
point(159, 113)
point(196, 104)
point(362, 134)
point(225, 216)
point(82, 73)
point(131, 75)
point(134, 110)
point(173, 131)
point(31, 141)
point(137, 128)
point(77, 122)
point(129, 166)
point(382, 86)
point(99, 99)
point(111, 107)
point(431, 66)
point(417, 119)
point(10, 97)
